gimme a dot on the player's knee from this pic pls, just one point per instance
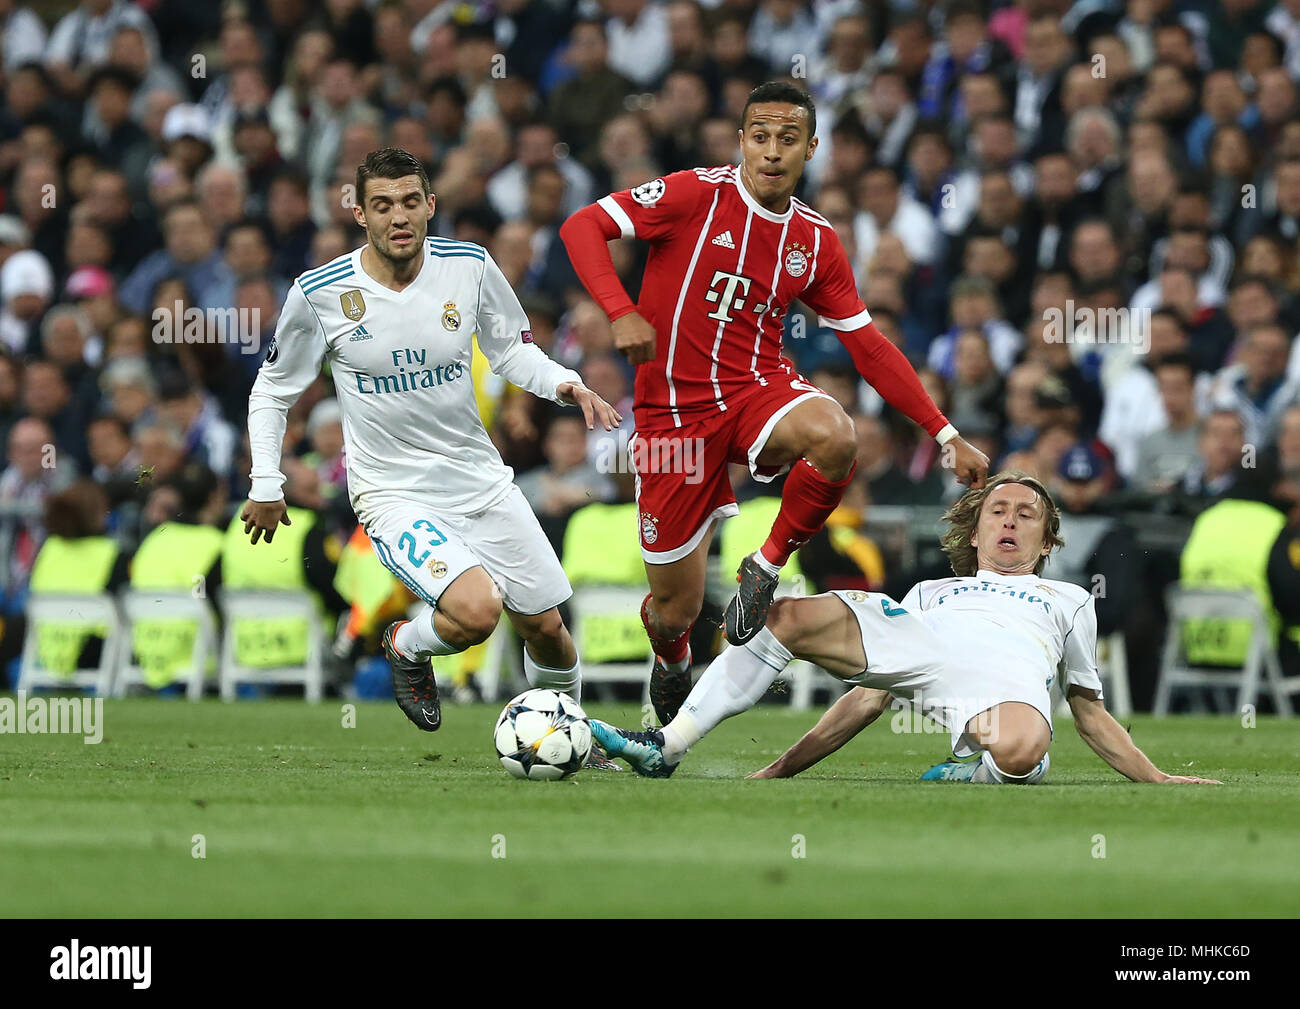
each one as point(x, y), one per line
point(478, 617)
point(834, 445)
point(674, 614)
point(548, 626)
point(1018, 756)
point(782, 620)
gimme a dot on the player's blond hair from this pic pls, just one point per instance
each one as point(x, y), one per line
point(963, 516)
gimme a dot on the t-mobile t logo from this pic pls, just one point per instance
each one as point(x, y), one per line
point(726, 298)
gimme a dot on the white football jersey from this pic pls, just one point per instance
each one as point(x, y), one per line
point(401, 367)
point(1041, 628)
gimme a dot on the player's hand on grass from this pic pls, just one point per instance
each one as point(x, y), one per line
point(1178, 779)
point(634, 338)
point(261, 518)
point(593, 407)
point(969, 463)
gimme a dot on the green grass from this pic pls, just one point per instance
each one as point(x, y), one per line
point(303, 817)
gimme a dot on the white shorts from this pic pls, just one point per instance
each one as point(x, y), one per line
point(949, 680)
point(428, 550)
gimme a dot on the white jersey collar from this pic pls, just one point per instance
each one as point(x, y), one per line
point(757, 207)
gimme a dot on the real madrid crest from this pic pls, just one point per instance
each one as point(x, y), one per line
point(450, 317)
point(438, 568)
point(354, 306)
point(796, 259)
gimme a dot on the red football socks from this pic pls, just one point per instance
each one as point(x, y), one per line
point(806, 503)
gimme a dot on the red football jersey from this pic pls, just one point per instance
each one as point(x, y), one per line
point(721, 274)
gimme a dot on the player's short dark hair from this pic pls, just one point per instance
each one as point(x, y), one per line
point(390, 163)
point(780, 91)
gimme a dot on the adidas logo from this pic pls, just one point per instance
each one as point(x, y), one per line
point(360, 333)
point(725, 240)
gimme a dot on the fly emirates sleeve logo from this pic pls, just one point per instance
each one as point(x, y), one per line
point(413, 373)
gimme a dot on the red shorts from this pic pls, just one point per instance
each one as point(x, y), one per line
point(682, 484)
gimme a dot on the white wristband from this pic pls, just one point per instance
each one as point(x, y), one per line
point(946, 435)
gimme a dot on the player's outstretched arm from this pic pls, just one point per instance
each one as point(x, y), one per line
point(843, 720)
point(833, 295)
point(292, 363)
point(1115, 746)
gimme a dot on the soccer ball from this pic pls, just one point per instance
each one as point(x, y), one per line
point(542, 735)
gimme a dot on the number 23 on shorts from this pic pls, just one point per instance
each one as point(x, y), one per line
point(407, 542)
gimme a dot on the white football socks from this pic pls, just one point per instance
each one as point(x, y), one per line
point(567, 681)
point(417, 638)
point(765, 564)
point(733, 683)
point(988, 773)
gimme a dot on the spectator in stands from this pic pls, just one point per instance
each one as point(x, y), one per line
point(1023, 415)
point(82, 40)
point(883, 207)
point(1221, 449)
point(567, 481)
point(190, 254)
point(36, 469)
point(27, 286)
point(976, 386)
point(1257, 386)
point(885, 481)
point(207, 437)
point(579, 107)
point(1166, 456)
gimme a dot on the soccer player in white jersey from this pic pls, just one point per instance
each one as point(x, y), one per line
point(395, 319)
point(978, 653)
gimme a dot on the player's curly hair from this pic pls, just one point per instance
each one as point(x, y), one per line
point(963, 516)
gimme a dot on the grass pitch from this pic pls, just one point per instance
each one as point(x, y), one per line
point(301, 816)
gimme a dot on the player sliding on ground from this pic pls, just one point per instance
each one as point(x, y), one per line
point(730, 250)
point(395, 319)
point(978, 653)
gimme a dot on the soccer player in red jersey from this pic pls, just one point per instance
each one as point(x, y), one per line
point(730, 250)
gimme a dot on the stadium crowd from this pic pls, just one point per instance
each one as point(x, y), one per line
point(1081, 221)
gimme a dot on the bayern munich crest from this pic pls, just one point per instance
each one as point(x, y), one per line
point(649, 531)
point(796, 261)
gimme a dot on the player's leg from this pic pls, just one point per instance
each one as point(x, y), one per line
point(1009, 743)
point(465, 615)
point(668, 614)
point(821, 629)
point(1015, 738)
point(814, 437)
point(461, 602)
point(509, 541)
point(550, 658)
point(682, 490)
